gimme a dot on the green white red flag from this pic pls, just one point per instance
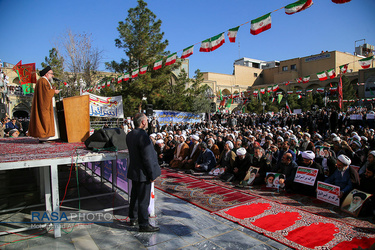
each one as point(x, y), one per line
point(331, 73)
point(344, 68)
point(260, 24)
point(299, 91)
point(320, 90)
point(322, 76)
point(262, 91)
point(135, 73)
point(366, 62)
point(119, 80)
point(171, 59)
point(275, 88)
point(287, 106)
point(255, 93)
point(306, 79)
point(158, 64)
point(126, 77)
point(212, 43)
point(269, 89)
point(297, 6)
point(299, 80)
point(309, 90)
point(187, 52)
point(340, 1)
point(289, 92)
point(232, 34)
point(143, 69)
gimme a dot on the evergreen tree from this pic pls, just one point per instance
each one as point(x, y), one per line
point(142, 41)
point(56, 62)
point(347, 92)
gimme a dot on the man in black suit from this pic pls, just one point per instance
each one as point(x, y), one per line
point(143, 170)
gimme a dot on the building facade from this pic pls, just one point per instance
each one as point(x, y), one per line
point(250, 74)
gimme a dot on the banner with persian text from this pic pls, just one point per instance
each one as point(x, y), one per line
point(166, 117)
point(106, 106)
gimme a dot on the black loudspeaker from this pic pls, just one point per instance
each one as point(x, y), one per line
point(107, 138)
point(149, 110)
point(2, 110)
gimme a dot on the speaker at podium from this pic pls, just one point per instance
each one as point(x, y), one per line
point(73, 114)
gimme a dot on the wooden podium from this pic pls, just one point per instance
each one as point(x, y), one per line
point(74, 118)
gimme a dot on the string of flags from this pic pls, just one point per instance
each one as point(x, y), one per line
point(258, 25)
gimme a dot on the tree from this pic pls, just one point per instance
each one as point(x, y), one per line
point(56, 62)
point(347, 91)
point(142, 41)
point(81, 60)
point(199, 95)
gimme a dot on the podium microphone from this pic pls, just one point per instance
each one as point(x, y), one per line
point(56, 79)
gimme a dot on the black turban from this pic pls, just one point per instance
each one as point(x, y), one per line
point(44, 71)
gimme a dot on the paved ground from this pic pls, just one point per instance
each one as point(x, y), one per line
point(182, 225)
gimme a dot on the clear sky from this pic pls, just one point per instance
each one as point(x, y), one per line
point(29, 28)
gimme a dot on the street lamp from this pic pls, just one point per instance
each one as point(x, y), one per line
point(263, 105)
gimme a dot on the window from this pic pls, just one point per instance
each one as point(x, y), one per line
point(285, 68)
point(293, 67)
point(255, 74)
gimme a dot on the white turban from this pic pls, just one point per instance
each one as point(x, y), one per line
point(159, 141)
point(183, 136)
point(308, 155)
point(230, 144)
point(241, 151)
point(344, 159)
point(194, 137)
point(153, 135)
point(307, 134)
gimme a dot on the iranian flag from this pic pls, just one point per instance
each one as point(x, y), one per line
point(287, 106)
point(322, 76)
point(299, 80)
point(143, 70)
point(289, 92)
point(217, 41)
point(344, 68)
point(275, 88)
point(158, 64)
point(171, 59)
point(331, 73)
point(366, 62)
point(299, 91)
point(232, 34)
point(187, 52)
point(126, 77)
point(309, 90)
point(255, 93)
point(212, 43)
point(299, 96)
point(297, 6)
point(306, 79)
point(269, 89)
point(262, 91)
point(205, 46)
point(108, 83)
point(135, 73)
point(320, 90)
point(260, 24)
point(120, 79)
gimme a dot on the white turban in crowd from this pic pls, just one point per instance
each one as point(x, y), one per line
point(159, 141)
point(344, 159)
point(230, 144)
point(307, 134)
point(153, 135)
point(194, 137)
point(338, 139)
point(372, 152)
point(308, 155)
point(357, 143)
point(241, 151)
point(183, 136)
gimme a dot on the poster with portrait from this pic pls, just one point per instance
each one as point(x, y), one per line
point(354, 201)
point(275, 180)
point(250, 175)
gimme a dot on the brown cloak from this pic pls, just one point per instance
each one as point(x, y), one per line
point(42, 122)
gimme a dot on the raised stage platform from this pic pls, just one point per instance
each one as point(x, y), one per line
point(27, 152)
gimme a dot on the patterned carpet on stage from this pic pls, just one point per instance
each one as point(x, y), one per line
point(298, 221)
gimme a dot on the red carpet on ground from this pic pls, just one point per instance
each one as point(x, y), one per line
point(296, 228)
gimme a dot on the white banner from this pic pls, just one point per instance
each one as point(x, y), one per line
point(106, 106)
point(328, 193)
point(306, 176)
